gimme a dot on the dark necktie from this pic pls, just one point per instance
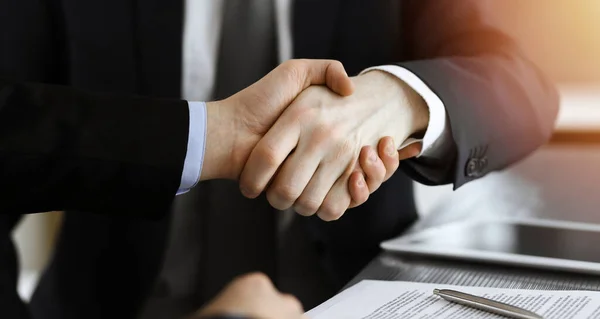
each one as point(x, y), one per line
point(248, 48)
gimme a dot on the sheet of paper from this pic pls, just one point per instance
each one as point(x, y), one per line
point(399, 300)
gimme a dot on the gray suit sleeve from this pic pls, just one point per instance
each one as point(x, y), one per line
point(500, 107)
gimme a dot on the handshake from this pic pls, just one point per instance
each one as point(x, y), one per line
point(313, 138)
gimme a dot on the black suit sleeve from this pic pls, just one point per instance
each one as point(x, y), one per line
point(499, 105)
point(65, 149)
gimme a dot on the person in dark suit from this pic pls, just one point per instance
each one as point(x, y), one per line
point(453, 81)
point(74, 146)
point(77, 145)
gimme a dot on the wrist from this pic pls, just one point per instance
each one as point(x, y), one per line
point(228, 141)
point(418, 109)
point(412, 104)
point(219, 141)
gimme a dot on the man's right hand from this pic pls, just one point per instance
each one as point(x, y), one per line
point(252, 296)
point(237, 123)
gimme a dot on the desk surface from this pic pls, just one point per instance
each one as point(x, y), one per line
point(555, 182)
point(388, 266)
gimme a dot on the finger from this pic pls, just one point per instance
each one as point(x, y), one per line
point(301, 73)
point(390, 156)
point(294, 76)
point(319, 185)
point(338, 81)
point(374, 175)
point(267, 157)
point(293, 177)
point(359, 192)
point(373, 167)
point(337, 200)
point(409, 151)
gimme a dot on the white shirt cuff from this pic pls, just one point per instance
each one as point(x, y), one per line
point(438, 133)
point(195, 148)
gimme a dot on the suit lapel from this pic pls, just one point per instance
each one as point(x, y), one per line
point(313, 27)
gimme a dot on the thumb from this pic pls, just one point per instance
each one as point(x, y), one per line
point(298, 75)
point(282, 85)
point(330, 73)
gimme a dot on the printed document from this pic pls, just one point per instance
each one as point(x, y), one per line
point(371, 299)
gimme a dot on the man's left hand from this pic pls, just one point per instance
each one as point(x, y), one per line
point(317, 140)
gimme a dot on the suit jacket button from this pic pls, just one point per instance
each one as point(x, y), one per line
point(483, 163)
point(475, 167)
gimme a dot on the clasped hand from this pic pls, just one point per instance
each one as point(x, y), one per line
point(312, 137)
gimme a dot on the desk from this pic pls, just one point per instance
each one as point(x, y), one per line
point(557, 182)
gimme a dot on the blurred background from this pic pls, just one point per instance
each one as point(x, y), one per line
point(563, 38)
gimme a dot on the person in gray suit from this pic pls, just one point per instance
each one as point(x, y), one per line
point(434, 72)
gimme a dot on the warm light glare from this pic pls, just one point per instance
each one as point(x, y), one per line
point(562, 36)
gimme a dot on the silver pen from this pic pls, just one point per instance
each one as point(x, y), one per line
point(485, 304)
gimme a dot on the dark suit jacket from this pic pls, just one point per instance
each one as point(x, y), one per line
point(500, 108)
point(66, 149)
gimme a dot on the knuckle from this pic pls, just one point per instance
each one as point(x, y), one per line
point(250, 188)
point(335, 66)
point(334, 132)
point(305, 114)
point(338, 64)
point(268, 155)
point(282, 194)
point(328, 131)
point(331, 212)
point(323, 135)
point(307, 206)
point(287, 192)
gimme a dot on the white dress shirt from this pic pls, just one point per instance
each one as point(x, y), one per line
point(202, 30)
